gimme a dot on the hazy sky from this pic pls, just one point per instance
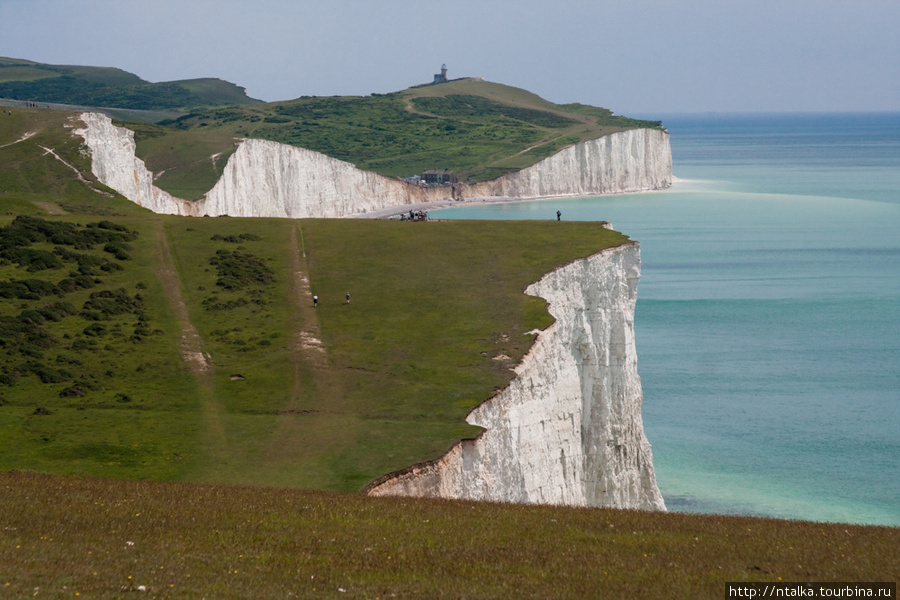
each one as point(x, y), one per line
point(632, 56)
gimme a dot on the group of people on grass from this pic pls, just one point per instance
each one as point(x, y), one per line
point(316, 300)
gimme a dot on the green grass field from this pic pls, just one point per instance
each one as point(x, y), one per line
point(91, 538)
point(189, 349)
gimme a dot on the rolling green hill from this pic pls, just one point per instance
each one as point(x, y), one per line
point(30, 81)
point(480, 130)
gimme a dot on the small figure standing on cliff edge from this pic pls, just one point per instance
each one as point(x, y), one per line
point(558, 215)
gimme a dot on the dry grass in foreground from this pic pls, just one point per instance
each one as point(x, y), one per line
point(64, 537)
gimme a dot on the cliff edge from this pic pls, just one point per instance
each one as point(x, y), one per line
point(268, 179)
point(568, 428)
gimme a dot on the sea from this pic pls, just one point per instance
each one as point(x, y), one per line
point(768, 314)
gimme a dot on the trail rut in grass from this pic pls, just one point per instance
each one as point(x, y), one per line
point(213, 437)
point(308, 426)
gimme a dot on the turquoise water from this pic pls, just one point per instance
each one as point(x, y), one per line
point(768, 318)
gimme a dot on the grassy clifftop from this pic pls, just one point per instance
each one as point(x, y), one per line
point(154, 347)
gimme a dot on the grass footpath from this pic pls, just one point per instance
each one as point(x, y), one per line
point(90, 538)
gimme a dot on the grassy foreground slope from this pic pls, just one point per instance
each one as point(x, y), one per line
point(143, 346)
point(89, 538)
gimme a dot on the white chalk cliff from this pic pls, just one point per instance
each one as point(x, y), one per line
point(268, 179)
point(628, 161)
point(568, 428)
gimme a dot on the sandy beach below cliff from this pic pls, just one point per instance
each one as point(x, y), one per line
point(401, 209)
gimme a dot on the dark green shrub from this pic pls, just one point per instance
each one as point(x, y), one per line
point(213, 303)
point(57, 311)
point(106, 304)
point(95, 329)
point(45, 373)
point(32, 317)
point(84, 344)
point(117, 249)
point(73, 391)
point(20, 335)
point(238, 270)
point(236, 239)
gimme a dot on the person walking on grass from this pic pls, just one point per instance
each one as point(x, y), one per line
point(558, 215)
point(348, 297)
point(315, 301)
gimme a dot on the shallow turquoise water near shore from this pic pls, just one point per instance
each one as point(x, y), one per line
point(768, 318)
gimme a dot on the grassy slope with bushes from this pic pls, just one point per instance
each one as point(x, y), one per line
point(110, 87)
point(103, 390)
point(479, 129)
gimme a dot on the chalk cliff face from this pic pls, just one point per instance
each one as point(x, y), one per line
point(114, 163)
point(268, 179)
point(628, 161)
point(568, 428)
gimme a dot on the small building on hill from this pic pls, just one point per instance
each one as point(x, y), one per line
point(442, 76)
point(438, 177)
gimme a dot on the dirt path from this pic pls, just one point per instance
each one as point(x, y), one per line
point(191, 347)
point(21, 139)
point(295, 453)
point(306, 344)
point(78, 174)
point(52, 208)
point(214, 438)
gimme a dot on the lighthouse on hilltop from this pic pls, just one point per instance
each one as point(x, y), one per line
point(442, 76)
